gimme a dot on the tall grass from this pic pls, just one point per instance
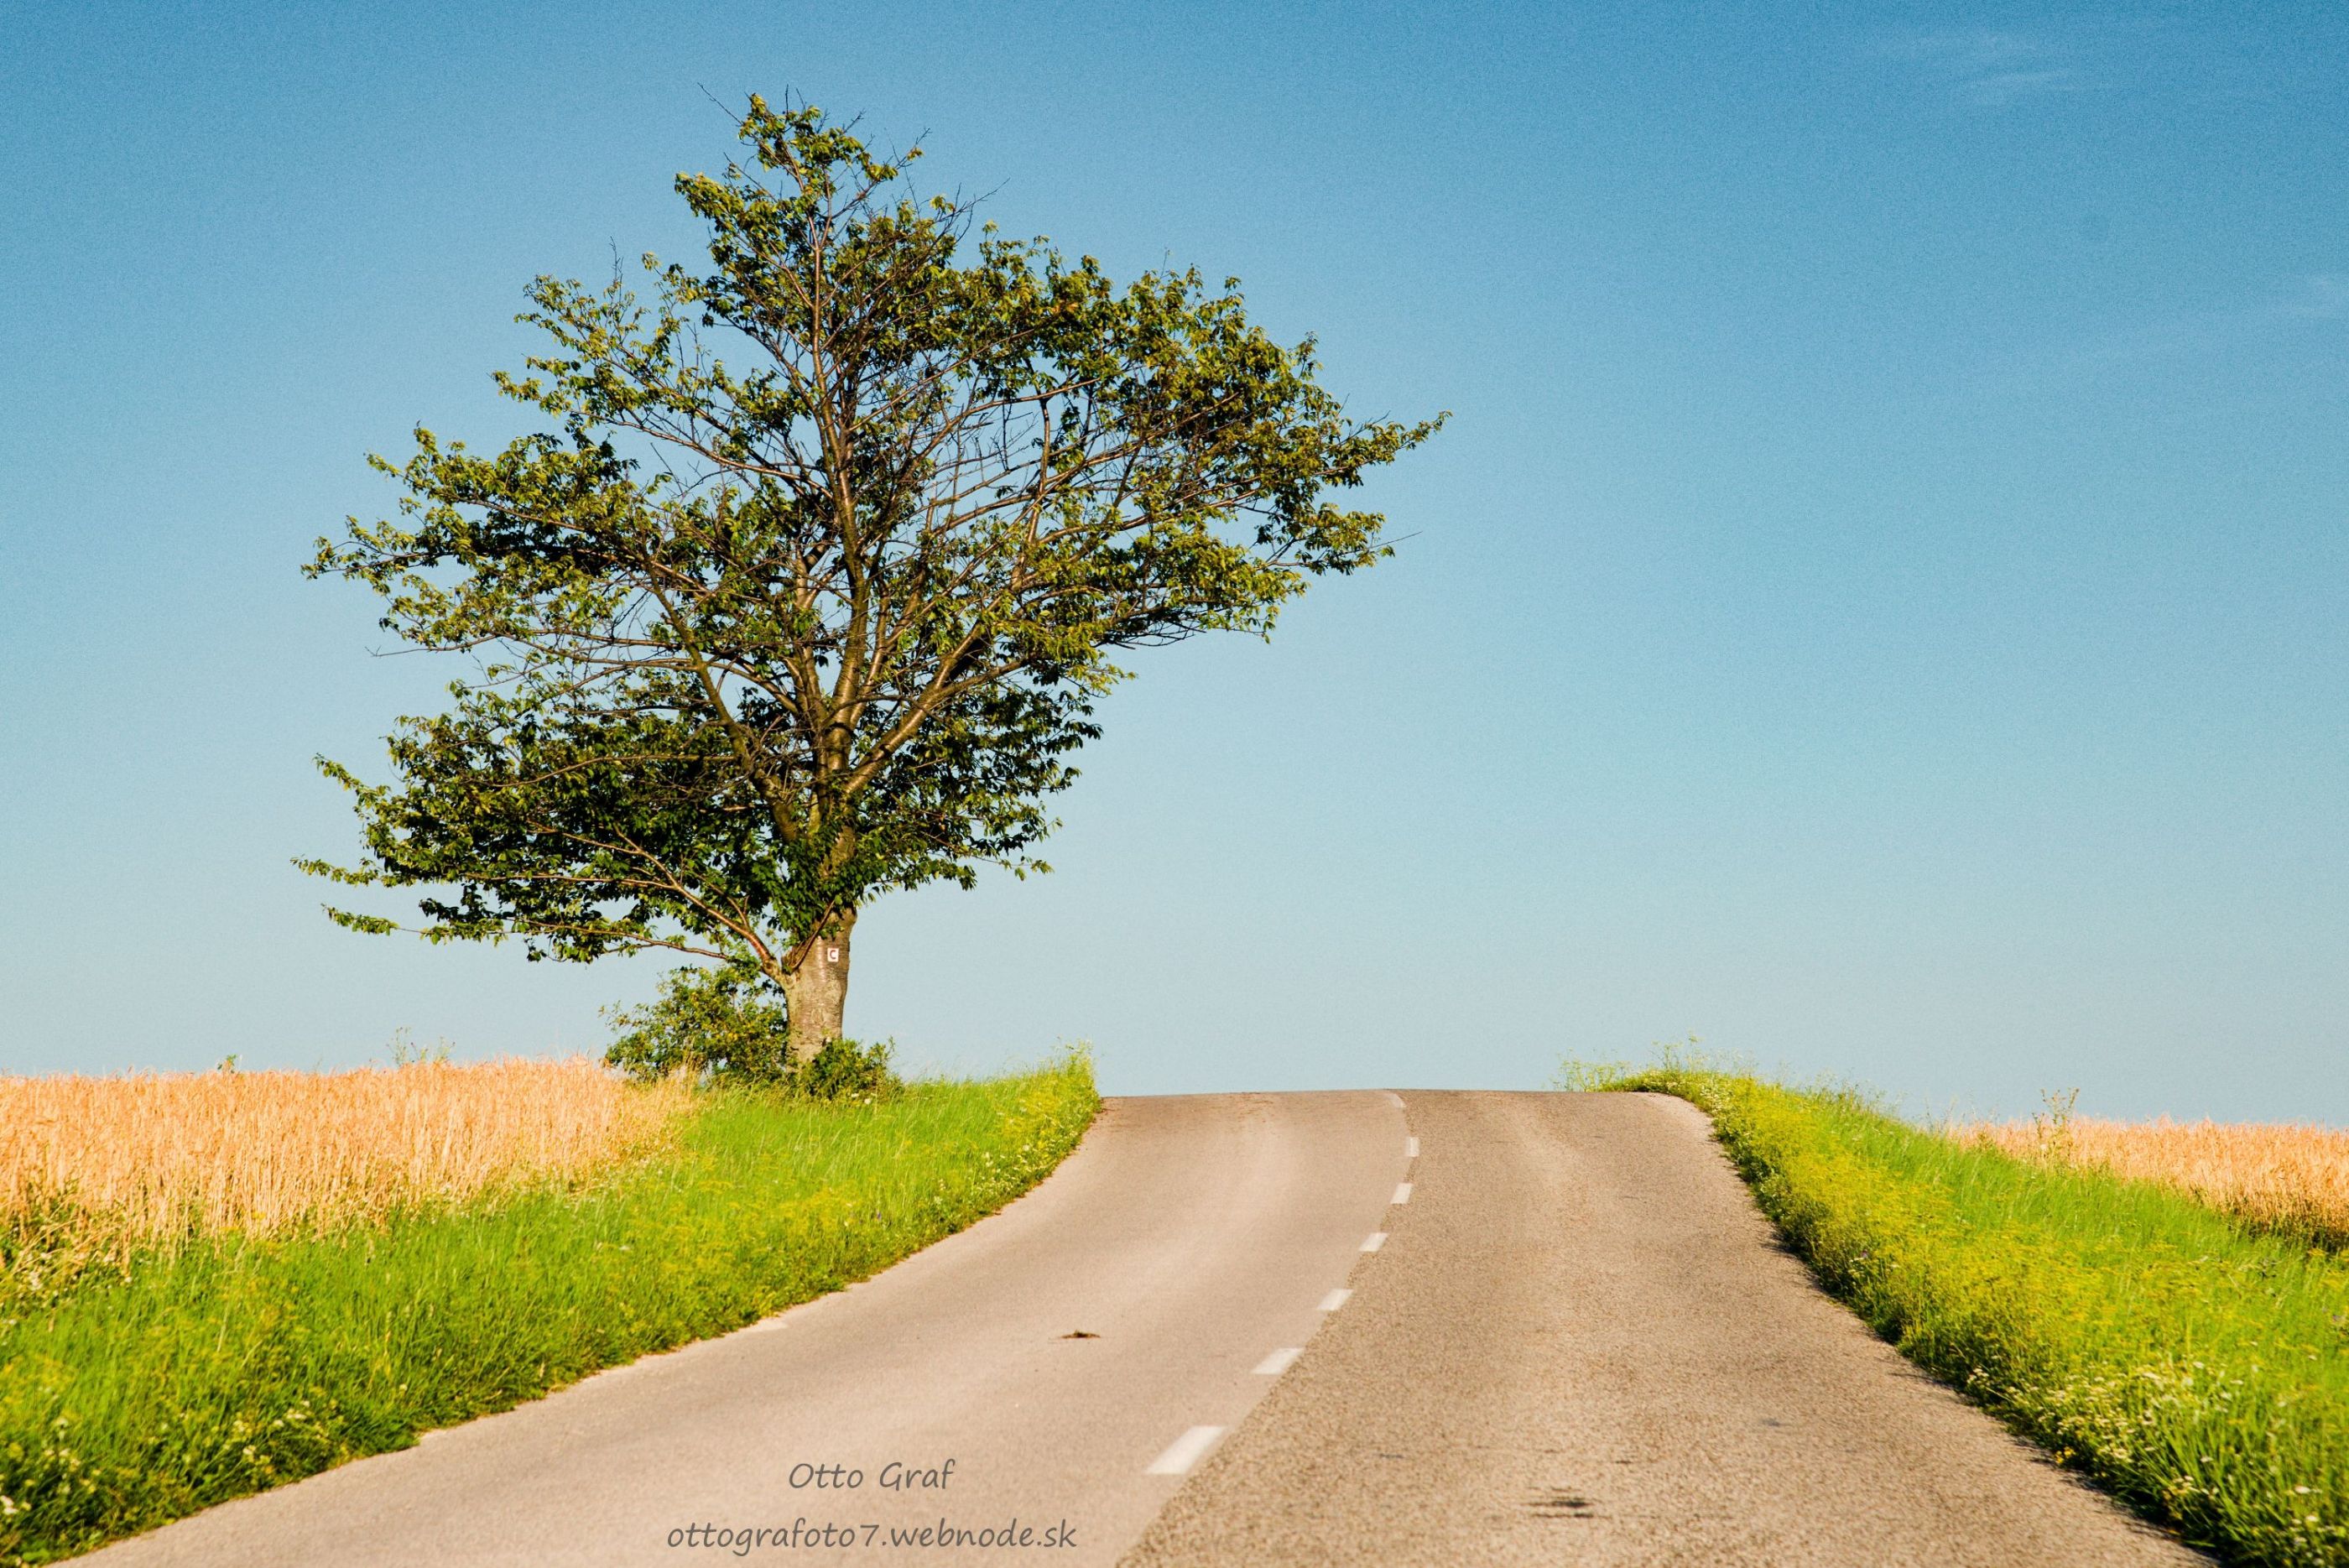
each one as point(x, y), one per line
point(239, 1362)
point(93, 1172)
point(2199, 1371)
point(2294, 1180)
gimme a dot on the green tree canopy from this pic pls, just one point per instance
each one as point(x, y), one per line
point(810, 587)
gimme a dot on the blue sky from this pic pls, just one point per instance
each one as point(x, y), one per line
point(1878, 605)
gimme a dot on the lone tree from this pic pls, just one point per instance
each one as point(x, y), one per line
point(810, 587)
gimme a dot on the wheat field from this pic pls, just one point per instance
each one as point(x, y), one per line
point(98, 1167)
point(2283, 1178)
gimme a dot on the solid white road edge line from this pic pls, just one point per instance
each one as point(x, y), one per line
point(1333, 1300)
point(1279, 1362)
point(1402, 1193)
point(1184, 1452)
point(1376, 1239)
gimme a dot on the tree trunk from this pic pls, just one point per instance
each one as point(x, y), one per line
point(815, 993)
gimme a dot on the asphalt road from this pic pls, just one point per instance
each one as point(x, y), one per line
point(1584, 1344)
point(1189, 1237)
point(1577, 1343)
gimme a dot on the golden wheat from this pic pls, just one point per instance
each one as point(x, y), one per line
point(2290, 1178)
point(156, 1158)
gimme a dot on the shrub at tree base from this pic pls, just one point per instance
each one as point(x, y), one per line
point(845, 1070)
point(706, 1023)
point(2199, 1371)
point(727, 1026)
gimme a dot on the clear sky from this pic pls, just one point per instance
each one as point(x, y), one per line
point(1878, 605)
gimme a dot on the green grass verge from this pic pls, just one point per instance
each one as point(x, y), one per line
point(2199, 1370)
point(232, 1368)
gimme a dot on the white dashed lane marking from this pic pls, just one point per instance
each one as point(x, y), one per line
point(1402, 1193)
point(1376, 1239)
point(1184, 1452)
point(1279, 1362)
point(1334, 1300)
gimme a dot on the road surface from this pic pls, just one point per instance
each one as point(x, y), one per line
point(1582, 1343)
point(1250, 1329)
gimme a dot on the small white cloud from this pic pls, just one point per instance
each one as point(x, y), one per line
point(1979, 48)
point(1995, 87)
point(1986, 67)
